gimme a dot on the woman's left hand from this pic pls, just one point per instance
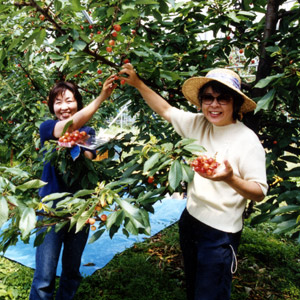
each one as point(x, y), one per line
point(108, 87)
point(223, 174)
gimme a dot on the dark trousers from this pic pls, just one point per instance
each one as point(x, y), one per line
point(47, 255)
point(209, 258)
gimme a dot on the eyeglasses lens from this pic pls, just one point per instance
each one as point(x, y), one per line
point(209, 99)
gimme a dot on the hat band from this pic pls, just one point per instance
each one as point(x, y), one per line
point(230, 79)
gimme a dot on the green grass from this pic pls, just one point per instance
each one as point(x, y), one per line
point(268, 268)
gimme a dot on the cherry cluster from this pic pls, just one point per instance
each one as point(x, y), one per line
point(205, 165)
point(92, 221)
point(70, 139)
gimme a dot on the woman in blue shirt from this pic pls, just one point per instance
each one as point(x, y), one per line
point(65, 103)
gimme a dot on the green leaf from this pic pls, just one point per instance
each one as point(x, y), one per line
point(76, 6)
point(83, 193)
point(57, 5)
point(132, 212)
point(146, 2)
point(264, 102)
point(32, 184)
point(151, 161)
point(187, 173)
point(285, 226)
point(123, 181)
point(27, 221)
point(15, 172)
point(96, 236)
point(40, 237)
point(265, 81)
point(68, 124)
point(184, 142)
point(40, 37)
point(175, 174)
point(194, 148)
point(285, 209)
point(149, 196)
point(260, 219)
point(128, 15)
point(171, 76)
point(163, 7)
point(3, 210)
point(17, 41)
point(289, 195)
point(233, 16)
point(82, 218)
point(79, 45)
point(54, 196)
point(116, 218)
point(80, 214)
point(27, 43)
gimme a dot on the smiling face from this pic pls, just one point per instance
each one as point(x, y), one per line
point(215, 113)
point(65, 105)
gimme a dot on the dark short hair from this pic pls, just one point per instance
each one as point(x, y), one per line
point(220, 88)
point(59, 88)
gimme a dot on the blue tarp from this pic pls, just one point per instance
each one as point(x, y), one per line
point(99, 253)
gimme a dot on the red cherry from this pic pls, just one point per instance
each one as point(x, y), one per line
point(103, 218)
point(205, 165)
point(209, 172)
point(91, 221)
point(99, 71)
point(109, 49)
point(122, 81)
point(117, 27)
point(126, 61)
point(90, 26)
point(150, 179)
point(111, 42)
point(114, 34)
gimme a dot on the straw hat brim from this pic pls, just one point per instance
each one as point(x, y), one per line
point(191, 87)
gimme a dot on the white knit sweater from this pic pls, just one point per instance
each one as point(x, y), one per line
point(215, 203)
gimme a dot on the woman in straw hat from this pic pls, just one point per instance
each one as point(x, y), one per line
point(210, 227)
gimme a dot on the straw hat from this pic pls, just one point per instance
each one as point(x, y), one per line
point(227, 77)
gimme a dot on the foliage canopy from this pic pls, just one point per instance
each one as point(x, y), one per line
point(42, 42)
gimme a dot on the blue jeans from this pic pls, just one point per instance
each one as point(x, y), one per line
point(209, 257)
point(47, 255)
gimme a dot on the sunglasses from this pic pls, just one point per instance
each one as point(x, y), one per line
point(222, 99)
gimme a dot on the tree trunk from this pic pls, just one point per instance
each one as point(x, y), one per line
point(265, 62)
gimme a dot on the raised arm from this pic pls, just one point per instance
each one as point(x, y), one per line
point(155, 101)
point(85, 114)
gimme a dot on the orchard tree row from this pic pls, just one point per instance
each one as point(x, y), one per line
point(42, 42)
